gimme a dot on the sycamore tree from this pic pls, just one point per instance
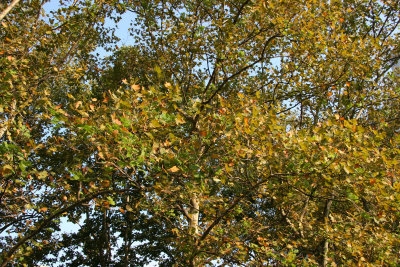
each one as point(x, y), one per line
point(231, 133)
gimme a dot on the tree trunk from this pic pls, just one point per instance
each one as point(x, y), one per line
point(194, 215)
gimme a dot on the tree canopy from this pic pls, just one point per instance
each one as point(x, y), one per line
point(231, 133)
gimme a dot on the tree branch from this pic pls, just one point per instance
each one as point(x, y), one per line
point(226, 80)
point(8, 9)
point(240, 11)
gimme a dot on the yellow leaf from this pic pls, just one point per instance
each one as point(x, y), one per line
point(155, 124)
point(246, 122)
point(128, 208)
point(42, 175)
point(179, 119)
point(347, 169)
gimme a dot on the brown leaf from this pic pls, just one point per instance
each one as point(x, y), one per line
point(105, 183)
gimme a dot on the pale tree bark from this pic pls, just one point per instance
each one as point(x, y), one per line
point(194, 215)
point(8, 9)
point(302, 214)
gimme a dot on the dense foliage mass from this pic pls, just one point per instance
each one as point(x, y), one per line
point(232, 133)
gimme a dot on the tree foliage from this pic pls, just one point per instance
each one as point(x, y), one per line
point(231, 133)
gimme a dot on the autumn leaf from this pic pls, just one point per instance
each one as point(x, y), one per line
point(135, 87)
point(105, 183)
point(155, 124)
point(115, 120)
point(43, 209)
point(128, 208)
point(173, 169)
point(246, 122)
point(179, 119)
point(77, 104)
